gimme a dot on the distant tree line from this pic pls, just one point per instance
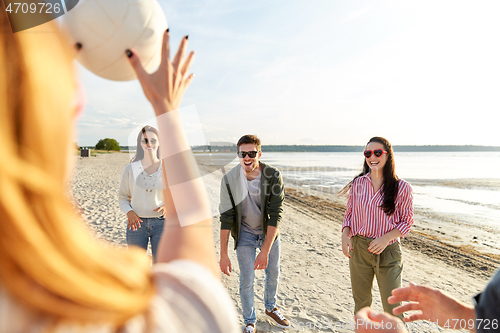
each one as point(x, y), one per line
point(112, 144)
point(341, 149)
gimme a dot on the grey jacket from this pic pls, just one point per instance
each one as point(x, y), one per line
point(272, 194)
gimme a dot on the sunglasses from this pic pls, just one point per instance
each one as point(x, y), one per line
point(376, 152)
point(251, 154)
point(146, 141)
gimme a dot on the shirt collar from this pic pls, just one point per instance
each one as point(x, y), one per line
point(366, 176)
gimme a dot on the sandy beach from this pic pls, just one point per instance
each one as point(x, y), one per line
point(314, 290)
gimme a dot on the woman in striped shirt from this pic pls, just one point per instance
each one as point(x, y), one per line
point(379, 211)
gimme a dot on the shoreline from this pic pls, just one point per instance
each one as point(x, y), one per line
point(463, 183)
point(455, 230)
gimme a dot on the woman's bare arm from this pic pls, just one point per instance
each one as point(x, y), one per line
point(187, 233)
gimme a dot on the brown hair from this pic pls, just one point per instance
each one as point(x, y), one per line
point(249, 139)
point(139, 154)
point(49, 261)
point(390, 182)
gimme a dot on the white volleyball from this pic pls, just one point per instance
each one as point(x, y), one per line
point(105, 29)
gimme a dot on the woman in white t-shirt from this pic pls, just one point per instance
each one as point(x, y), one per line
point(140, 195)
point(54, 276)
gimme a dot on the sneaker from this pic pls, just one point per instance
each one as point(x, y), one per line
point(250, 328)
point(278, 318)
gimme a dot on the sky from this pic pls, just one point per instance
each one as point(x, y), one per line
point(322, 72)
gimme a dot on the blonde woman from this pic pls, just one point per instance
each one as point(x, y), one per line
point(140, 194)
point(54, 276)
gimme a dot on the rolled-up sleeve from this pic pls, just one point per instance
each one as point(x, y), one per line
point(405, 208)
point(348, 211)
point(125, 191)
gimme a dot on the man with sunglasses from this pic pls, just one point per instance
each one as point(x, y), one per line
point(251, 205)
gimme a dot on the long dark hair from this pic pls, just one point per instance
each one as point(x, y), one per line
point(390, 182)
point(139, 153)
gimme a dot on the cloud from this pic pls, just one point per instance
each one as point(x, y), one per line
point(276, 69)
point(109, 123)
point(358, 13)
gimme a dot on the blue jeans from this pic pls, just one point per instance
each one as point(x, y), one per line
point(246, 252)
point(151, 228)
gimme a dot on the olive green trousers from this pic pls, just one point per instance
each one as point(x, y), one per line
point(387, 267)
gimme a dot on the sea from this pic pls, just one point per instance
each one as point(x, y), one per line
point(464, 184)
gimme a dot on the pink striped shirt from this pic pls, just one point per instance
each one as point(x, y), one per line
point(365, 217)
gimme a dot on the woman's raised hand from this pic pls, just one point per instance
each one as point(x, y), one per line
point(165, 88)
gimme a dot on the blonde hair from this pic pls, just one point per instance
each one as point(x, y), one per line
point(48, 260)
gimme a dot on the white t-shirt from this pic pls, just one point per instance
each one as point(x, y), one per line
point(250, 209)
point(189, 299)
